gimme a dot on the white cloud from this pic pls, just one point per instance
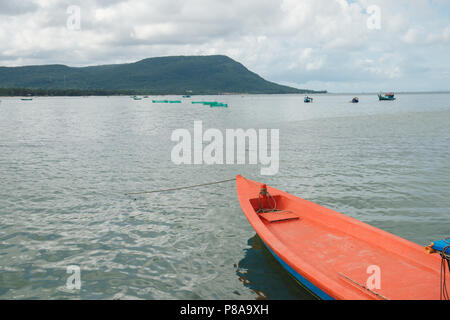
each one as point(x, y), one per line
point(412, 36)
point(324, 43)
point(446, 34)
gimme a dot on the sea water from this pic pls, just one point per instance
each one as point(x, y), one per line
point(66, 164)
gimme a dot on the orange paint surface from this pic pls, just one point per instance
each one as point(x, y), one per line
point(337, 253)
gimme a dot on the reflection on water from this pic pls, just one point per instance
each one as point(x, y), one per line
point(264, 275)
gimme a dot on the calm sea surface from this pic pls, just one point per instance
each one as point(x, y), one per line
point(65, 164)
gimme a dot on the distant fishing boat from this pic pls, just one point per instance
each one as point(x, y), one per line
point(390, 96)
point(187, 96)
point(26, 99)
point(137, 98)
point(355, 100)
point(308, 99)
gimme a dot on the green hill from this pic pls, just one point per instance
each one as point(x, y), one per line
point(164, 75)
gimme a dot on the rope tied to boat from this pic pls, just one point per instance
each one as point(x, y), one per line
point(264, 195)
point(180, 188)
point(445, 258)
point(443, 248)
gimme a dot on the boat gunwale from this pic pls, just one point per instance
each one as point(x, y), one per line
point(355, 222)
point(317, 278)
point(284, 252)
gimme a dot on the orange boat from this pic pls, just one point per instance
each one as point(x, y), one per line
point(335, 256)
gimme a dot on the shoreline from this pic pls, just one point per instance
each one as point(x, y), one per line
point(213, 94)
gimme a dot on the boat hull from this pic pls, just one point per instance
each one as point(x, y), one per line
point(334, 256)
point(315, 291)
point(383, 98)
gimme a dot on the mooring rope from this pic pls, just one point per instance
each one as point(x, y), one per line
point(180, 188)
point(266, 195)
point(445, 260)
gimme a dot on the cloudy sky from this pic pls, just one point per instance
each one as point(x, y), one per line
point(338, 45)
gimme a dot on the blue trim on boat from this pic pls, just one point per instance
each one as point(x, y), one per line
point(319, 293)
